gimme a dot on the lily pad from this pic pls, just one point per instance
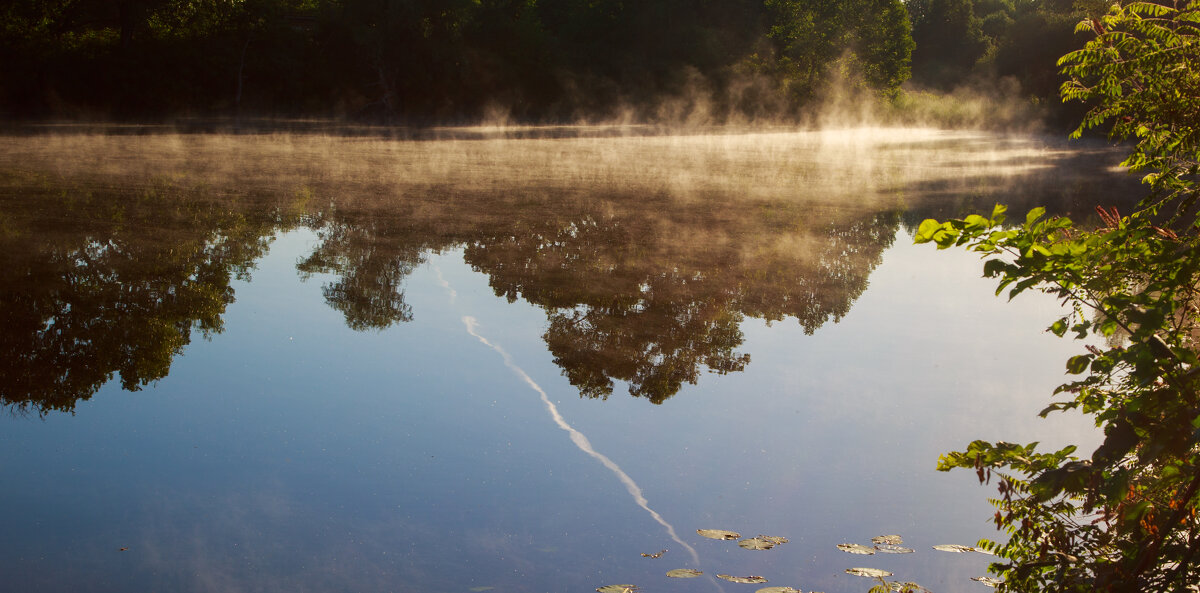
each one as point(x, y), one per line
point(989, 581)
point(778, 590)
point(856, 549)
point(893, 540)
point(718, 534)
point(874, 573)
point(957, 549)
point(775, 539)
point(756, 543)
point(618, 589)
point(684, 573)
point(893, 549)
point(752, 579)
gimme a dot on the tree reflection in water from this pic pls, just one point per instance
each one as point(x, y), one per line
point(371, 258)
point(645, 274)
point(653, 301)
point(96, 282)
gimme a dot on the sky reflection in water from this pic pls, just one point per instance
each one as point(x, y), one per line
point(343, 429)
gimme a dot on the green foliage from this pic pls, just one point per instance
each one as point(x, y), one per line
point(1124, 519)
point(1142, 73)
point(422, 60)
point(948, 40)
point(1026, 49)
point(999, 46)
point(816, 41)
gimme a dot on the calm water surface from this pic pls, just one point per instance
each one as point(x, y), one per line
point(509, 362)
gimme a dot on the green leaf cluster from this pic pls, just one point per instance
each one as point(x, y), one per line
point(1125, 517)
point(1141, 73)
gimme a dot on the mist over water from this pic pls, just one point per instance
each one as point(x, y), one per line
point(762, 161)
point(706, 169)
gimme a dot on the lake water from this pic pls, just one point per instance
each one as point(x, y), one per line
point(510, 360)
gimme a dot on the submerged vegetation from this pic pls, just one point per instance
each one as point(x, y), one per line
point(1125, 517)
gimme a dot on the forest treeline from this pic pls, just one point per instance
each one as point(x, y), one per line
point(417, 61)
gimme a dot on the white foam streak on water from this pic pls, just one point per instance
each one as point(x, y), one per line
point(445, 284)
point(582, 441)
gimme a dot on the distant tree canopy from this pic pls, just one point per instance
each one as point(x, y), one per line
point(977, 42)
point(444, 61)
point(424, 60)
point(871, 41)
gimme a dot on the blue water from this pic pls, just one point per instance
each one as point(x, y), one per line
point(292, 454)
point(451, 453)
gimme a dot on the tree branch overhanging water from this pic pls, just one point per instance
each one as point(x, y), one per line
point(1126, 518)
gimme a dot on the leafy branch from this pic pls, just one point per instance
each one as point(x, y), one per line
point(1125, 518)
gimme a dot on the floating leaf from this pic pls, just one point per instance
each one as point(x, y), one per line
point(752, 579)
point(957, 549)
point(684, 573)
point(874, 573)
point(618, 589)
point(900, 587)
point(856, 549)
point(778, 590)
point(775, 539)
point(756, 543)
point(989, 581)
point(654, 555)
point(718, 534)
point(892, 540)
point(893, 549)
